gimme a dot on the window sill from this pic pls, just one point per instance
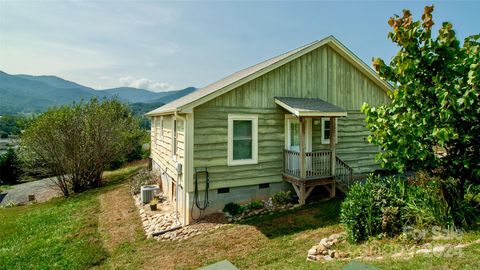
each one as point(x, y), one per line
point(242, 162)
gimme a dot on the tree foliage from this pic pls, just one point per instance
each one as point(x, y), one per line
point(10, 167)
point(433, 120)
point(13, 124)
point(77, 143)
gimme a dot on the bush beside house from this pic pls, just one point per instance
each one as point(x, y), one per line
point(388, 205)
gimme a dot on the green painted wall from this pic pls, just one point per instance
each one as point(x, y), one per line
point(322, 73)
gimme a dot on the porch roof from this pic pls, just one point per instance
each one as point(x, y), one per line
point(310, 107)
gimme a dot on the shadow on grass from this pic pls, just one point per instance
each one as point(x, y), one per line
point(311, 216)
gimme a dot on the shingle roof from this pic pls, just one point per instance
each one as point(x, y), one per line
point(309, 106)
point(250, 72)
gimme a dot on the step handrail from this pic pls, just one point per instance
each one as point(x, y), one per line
point(343, 172)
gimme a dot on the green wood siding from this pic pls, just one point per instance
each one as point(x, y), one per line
point(322, 73)
point(161, 149)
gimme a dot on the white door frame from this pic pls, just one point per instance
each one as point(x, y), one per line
point(308, 131)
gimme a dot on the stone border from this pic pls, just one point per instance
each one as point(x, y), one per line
point(324, 250)
point(164, 220)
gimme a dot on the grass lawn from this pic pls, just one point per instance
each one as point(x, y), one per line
point(101, 229)
point(5, 187)
point(61, 233)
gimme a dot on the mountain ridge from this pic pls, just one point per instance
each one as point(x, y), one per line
point(24, 93)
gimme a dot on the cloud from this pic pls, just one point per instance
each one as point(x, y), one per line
point(144, 83)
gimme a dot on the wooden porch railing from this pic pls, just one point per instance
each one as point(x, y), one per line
point(317, 165)
point(344, 173)
point(291, 162)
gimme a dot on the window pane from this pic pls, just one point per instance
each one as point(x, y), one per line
point(242, 149)
point(242, 129)
point(295, 134)
point(326, 130)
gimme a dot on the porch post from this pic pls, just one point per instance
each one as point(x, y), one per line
point(333, 159)
point(302, 148)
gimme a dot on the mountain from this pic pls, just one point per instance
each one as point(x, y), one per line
point(33, 94)
point(133, 95)
point(166, 97)
point(142, 108)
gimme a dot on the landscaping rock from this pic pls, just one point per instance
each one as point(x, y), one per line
point(327, 258)
point(165, 218)
point(324, 248)
point(324, 242)
point(321, 248)
point(311, 258)
point(312, 251)
point(460, 246)
point(423, 251)
point(439, 249)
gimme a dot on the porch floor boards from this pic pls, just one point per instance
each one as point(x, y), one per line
point(309, 181)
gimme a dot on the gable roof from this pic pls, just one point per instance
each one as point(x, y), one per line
point(188, 102)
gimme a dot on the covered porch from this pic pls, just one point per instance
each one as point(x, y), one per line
point(304, 166)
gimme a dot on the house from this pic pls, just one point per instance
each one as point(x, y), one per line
point(289, 121)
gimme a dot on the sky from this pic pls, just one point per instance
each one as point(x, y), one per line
point(166, 45)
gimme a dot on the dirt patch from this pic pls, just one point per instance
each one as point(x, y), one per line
point(118, 219)
point(232, 242)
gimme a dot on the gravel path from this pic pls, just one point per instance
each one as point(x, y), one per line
point(43, 189)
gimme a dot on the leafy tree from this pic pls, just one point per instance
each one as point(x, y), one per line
point(433, 120)
point(10, 167)
point(77, 143)
point(12, 124)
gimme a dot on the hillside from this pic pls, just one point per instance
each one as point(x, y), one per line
point(33, 94)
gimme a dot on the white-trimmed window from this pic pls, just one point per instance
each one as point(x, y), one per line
point(242, 139)
point(326, 131)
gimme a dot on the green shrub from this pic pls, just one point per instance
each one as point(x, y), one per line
point(10, 167)
point(233, 208)
point(425, 206)
point(255, 205)
point(373, 207)
point(386, 205)
point(282, 197)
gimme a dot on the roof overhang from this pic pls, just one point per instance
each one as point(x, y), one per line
point(310, 107)
point(154, 113)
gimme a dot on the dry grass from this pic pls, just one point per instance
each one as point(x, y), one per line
point(118, 220)
point(260, 243)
